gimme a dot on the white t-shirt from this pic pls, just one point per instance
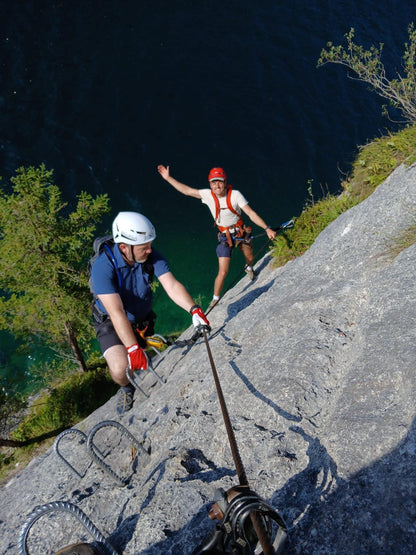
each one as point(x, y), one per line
point(226, 218)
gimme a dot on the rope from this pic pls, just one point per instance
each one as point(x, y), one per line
point(230, 432)
point(241, 473)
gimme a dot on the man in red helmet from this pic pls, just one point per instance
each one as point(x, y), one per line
point(226, 205)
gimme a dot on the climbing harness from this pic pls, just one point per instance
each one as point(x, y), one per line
point(197, 334)
point(236, 229)
point(104, 546)
point(229, 205)
point(245, 519)
point(96, 453)
point(281, 228)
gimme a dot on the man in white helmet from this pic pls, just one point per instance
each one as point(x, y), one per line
point(121, 284)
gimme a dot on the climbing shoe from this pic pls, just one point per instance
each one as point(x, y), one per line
point(250, 272)
point(125, 399)
point(213, 303)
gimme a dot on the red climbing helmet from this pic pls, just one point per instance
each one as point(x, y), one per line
point(217, 174)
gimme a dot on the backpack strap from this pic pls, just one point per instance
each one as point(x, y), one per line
point(148, 268)
point(110, 255)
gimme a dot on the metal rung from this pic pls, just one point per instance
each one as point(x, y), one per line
point(62, 506)
point(94, 452)
point(133, 379)
point(98, 457)
point(71, 431)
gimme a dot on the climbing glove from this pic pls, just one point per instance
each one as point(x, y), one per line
point(137, 358)
point(198, 318)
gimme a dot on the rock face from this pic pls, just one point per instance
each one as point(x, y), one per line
point(316, 361)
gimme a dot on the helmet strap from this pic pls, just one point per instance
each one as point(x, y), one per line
point(128, 256)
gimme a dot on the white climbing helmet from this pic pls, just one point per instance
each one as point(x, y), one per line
point(132, 228)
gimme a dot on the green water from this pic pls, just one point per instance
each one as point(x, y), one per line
point(16, 365)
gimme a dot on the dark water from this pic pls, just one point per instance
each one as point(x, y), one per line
point(104, 91)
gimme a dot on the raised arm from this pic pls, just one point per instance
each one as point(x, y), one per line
point(181, 187)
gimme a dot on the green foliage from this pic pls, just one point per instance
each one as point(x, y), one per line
point(46, 372)
point(374, 163)
point(378, 159)
point(10, 403)
point(43, 253)
point(67, 404)
point(313, 219)
point(400, 92)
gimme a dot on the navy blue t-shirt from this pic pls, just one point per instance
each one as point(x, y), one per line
point(135, 283)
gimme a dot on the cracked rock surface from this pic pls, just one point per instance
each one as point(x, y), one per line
point(317, 365)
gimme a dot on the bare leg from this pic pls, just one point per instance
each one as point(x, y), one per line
point(223, 267)
point(247, 251)
point(116, 357)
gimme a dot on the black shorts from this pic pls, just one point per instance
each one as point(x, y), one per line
point(107, 336)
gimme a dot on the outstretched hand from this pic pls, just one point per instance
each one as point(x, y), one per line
point(271, 234)
point(164, 171)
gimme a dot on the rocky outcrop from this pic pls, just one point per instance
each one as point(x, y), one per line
point(316, 361)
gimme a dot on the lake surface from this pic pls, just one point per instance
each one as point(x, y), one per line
point(102, 92)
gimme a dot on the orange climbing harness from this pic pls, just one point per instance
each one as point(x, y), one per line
point(237, 228)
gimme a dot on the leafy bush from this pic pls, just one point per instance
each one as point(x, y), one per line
point(400, 92)
point(67, 404)
point(11, 403)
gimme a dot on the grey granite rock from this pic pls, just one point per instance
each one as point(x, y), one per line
point(316, 361)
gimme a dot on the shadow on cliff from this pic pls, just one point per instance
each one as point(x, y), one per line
point(198, 467)
point(372, 512)
point(246, 299)
point(250, 386)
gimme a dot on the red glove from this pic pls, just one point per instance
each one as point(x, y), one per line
point(137, 357)
point(198, 317)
